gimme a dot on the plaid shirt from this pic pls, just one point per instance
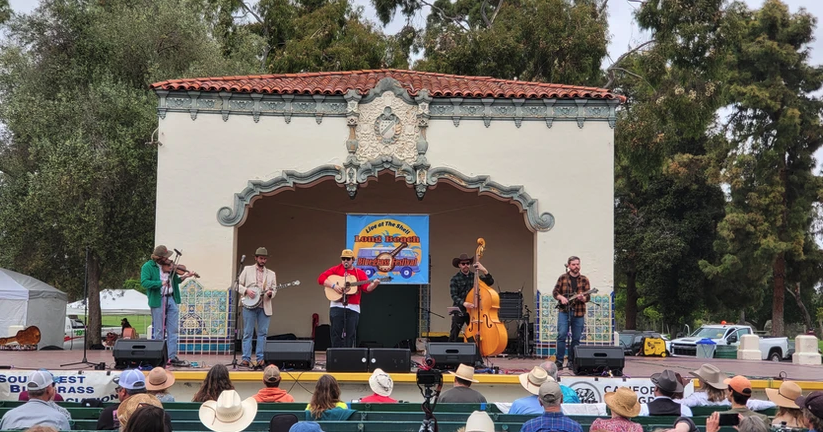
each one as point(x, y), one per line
point(564, 287)
point(551, 422)
point(461, 284)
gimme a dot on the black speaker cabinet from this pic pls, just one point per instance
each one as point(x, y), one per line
point(390, 359)
point(449, 355)
point(511, 306)
point(594, 360)
point(134, 353)
point(290, 354)
point(347, 360)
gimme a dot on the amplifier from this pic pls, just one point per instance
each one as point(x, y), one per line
point(511, 305)
point(347, 360)
point(390, 359)
point(134, 353)
point(594, 360)
point(449, 355)
point(290, 354)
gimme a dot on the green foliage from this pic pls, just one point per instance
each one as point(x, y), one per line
point(134, 284)
point(5, 11)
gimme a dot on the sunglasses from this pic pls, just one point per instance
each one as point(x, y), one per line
point(465, 263)
point(345, 258)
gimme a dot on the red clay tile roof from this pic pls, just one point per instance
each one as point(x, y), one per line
point(338, 83)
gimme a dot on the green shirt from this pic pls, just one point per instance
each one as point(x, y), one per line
point(150, 279)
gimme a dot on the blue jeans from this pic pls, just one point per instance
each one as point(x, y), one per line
point(563, 332)
point(254, 320)
point(172, 324)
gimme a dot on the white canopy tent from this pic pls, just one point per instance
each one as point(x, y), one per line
point(26, 301)
point(115, 302)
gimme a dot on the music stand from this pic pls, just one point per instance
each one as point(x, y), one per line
point(85, 361)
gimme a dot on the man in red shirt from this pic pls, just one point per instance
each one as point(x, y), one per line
point(381, 384)
point(345, 313)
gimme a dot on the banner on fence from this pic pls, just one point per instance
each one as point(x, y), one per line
point(391, 245)
point(71, 385)
point(591, 390)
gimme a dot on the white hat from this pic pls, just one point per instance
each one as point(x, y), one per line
point(228, 413)
point(479, 421)
point(532, 380)
point(381, 382)
point(465, 372)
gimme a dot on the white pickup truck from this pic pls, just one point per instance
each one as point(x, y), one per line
point(771, 348)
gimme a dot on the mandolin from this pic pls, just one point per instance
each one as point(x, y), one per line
point(351, 283)
point(28, 336)
point(566, 307)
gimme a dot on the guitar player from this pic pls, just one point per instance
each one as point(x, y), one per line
point(345, 313)
point(568, 292)
point(256, 319)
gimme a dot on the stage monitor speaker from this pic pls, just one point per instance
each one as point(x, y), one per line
point(595, 360)
point(290, 354)
point(449, 355)
point(136, 353)
point(390, 359)
point(347, 360)
point(511, 306)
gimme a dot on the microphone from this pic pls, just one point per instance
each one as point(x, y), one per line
point(242, 258)
point(178, 252)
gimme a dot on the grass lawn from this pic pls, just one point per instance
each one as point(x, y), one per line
point(139, 322)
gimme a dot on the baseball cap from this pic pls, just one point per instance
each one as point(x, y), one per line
point(812, 402)
point(550, 392)
point(739, 384)
point(131, 379)
point(39, 380)
point(347, 253)
point(271, 374)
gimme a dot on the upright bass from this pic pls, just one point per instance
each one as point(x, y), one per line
point(484, 325)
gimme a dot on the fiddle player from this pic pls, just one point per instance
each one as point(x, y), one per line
point(257, 318)
point(459, 287)
point(344, 315)
point(570, 286)
point(163, 291)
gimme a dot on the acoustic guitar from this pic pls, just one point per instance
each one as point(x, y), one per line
point(28, 336)
point(350, 283)
point(568, 306)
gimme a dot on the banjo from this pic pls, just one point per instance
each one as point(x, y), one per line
point(251, 303)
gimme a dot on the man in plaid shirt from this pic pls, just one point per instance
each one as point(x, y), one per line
point(459, 287)
point(553, 419)
point(569, 288)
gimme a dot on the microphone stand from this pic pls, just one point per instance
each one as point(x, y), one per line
point(85, 361)
point(232, 302)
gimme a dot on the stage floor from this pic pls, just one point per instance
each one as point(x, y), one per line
point(635, 367)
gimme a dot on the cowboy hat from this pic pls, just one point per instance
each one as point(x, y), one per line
point(531, 380)
point(479, 421)
point(159, 379)
point(786, 395)
point(228, 413)
point(261, 251)
point(667, 381)
point(462, 257)
point(381, 383)
point(465, 372)
point(623, 401)
point(711, 375)
point(126, 409)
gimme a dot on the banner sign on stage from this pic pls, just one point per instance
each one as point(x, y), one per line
point(391, 245)
point(71, 385)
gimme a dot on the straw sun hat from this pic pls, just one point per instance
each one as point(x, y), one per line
point(623, 401)
point(126, 409)
point(532, 380)
point(228, 413)
point(465, 372)
point(786, 395)
point(159, 379)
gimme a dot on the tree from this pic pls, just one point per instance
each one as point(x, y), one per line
point(77, 174)
point(5, 11)
point(775, 128)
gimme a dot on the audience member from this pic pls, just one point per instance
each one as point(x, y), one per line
point(130, 382)
point(306, 426)
point(711, 379)
point(24, 395)
point(217, 381)
point(39, 409)
point(228, 413)
point(812, 406)
point(282, 422)
point(325, 401)
point(623, 404)
point(531, 381)
point(133, 404)
point(461, 392)
point(788, 413)
point(149, 418)
point(158, 383)
point(381, 385)
point(569, 395)
point(665, 386)
point(553, 419)
point(272, 391)
point(479, 421)
point(41, 428)
point(739, 391)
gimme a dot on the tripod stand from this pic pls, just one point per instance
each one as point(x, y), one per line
point(430, 393)
point(85, 361)
point(233, 296)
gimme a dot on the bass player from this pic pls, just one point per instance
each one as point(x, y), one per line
point(571, 291)
point(459, 287)
point(345, 314)
point(256, 282)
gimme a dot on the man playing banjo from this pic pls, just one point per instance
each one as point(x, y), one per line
point(256, 285)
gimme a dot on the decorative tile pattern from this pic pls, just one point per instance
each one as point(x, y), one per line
point(598, 330)
point(205, 319)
